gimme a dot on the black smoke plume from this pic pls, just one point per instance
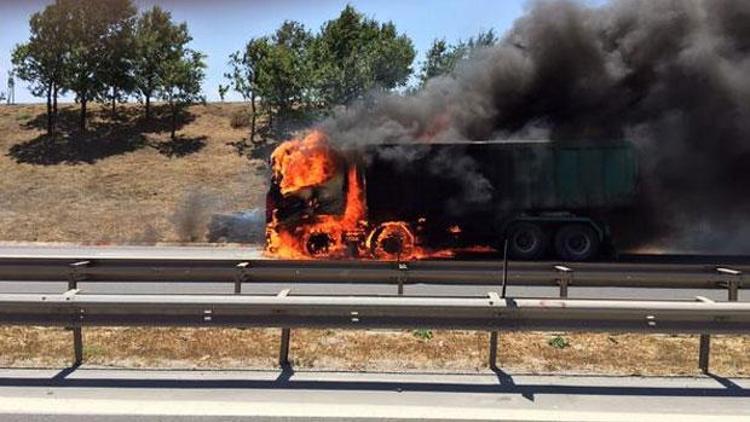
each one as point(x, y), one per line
point(672, 76)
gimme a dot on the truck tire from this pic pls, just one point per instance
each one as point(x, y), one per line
point(577, 242)
point(526, 241)
point(391, 240)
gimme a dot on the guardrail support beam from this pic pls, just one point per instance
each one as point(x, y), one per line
point(75, 275)
point(704, 353)
point(240, 277)
point(563, 280)
point(403, 275)
point(493, 350)
point(284, 347)
point(78, 346)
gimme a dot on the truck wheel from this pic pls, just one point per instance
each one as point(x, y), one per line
point(391, 240)
point(526, 241)
point(318, 244)
point(577, 242)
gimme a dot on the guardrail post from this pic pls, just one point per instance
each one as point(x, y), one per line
point(403, 276)
point(286, 333)
point(732, 283)
point(284, 347)
point(564, 278)
point(493, 349)
point(704, 353)
point(75, 275)
point(241, 276)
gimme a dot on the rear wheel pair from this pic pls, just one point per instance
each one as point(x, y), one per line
point(572, 242)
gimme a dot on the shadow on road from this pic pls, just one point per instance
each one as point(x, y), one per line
point(285, 380)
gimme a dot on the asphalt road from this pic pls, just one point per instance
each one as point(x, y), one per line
point(211, 252)
point(167, 395)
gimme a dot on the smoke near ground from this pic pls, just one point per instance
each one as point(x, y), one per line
point(191, 217)
point(671, 76)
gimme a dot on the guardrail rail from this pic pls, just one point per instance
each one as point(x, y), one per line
point(493, 312)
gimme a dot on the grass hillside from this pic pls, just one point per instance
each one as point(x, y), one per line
point(124, 181)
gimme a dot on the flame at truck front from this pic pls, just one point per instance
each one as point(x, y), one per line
point(301, 170)
point(317, 208)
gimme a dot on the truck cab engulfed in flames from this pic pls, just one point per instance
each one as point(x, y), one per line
point(412, 201)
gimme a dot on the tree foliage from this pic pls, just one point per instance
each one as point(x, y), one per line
point(158, 44)
point(442, 58)
point(293, 70)
point(355, 54)
point(42, 60)
point(181, 82)
point(91, 28)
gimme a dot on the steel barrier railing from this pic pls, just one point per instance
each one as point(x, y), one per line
point(241, 272)
point(491, 313)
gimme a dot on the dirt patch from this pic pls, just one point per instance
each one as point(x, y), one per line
point(622, 354)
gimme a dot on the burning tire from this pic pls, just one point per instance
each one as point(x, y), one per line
point(392, 240)
point(318, 244)
point(577, 242)
point(526, 241)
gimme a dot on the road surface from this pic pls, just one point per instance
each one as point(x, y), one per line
point(106, 394)
point(249, 252)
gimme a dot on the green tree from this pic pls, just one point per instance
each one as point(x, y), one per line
point(41, 60)
point(157, 42)
point(248, 68)
point(276, 69)
point(286, 77)
point(118, 55)
point(355, 55)
point(181, 83)
point(442, 58)
point(90, 28)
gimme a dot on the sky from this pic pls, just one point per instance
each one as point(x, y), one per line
point(220, 27)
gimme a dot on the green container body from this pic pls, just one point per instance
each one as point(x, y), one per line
point(554, 176)
point(533, 176)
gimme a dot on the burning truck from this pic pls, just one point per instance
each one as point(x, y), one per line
point(420, 200)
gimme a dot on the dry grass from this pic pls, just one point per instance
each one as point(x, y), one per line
point(624, 354)
point(129, 195)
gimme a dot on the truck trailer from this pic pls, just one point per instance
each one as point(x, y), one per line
point(544, 199)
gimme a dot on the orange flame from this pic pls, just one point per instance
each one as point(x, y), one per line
point(303, 163)
point(309, 162)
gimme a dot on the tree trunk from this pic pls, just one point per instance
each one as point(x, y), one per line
point(54, 106)
point(270, 117)
point(114, 102)
point(174, 119)
point(49, 109)
point(148, 106)
point(252, 118)
point(83, 114)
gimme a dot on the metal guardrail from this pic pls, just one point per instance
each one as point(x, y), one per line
point(492, 313)
point(72, 309)
point(682, 276)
